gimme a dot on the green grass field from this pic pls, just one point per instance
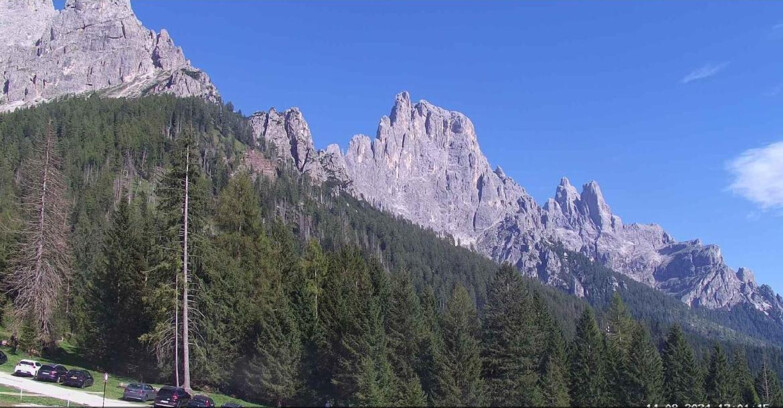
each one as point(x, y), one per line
point(10, 397)
point(69, 358)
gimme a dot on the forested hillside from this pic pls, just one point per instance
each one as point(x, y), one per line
point(298, 294)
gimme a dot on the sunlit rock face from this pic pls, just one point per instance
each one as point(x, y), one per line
point(89, 46)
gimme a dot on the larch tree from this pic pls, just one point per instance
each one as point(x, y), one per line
point(41, 264)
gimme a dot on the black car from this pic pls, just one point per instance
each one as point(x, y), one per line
point(52, 373)
point(139, 392)
point(3, 357)
point(78, 378)
point(172, 397)
point(201, 401)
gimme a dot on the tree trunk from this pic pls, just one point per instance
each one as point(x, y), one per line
point(176, 329)
point(185, 321)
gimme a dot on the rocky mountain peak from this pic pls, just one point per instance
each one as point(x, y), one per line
point(99, 5)
point(595, 207)
point(289, 135)
point(567, 198)
point(402, 108)
point(88, 46)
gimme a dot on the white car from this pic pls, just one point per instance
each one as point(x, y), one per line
point(27, 367)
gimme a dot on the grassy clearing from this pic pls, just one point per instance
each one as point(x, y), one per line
point(69, 357)
point(10, 396)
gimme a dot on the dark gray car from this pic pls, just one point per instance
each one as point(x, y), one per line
point(139, 392)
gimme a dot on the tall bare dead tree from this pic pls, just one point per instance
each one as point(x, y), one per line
point(41, 262)
point(185, 282)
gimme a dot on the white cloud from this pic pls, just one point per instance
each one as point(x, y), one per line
point(757, 175)
point(707, 70)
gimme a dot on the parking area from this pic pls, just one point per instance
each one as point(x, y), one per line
point(74, 396)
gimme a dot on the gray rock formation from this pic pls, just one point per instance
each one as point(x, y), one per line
point(89, 46)
point(425, 165)
point(289, 136)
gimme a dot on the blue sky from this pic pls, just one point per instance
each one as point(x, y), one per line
point(659, 102)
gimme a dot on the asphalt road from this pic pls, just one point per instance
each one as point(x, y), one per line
point(74, 395)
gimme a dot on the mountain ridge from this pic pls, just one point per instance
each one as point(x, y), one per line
point(425, 165)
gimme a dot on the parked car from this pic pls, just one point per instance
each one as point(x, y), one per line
point(3, 357)
point(230, 405)
point(139, 392)
point(27, 368)
point(172, 397)
point(201, 401)
point(53, 373)
point(78, 378)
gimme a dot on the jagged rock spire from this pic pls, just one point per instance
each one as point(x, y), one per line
point(89, 46)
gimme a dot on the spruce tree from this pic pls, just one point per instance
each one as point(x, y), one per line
point(273, 372)
point(430, 344)
point(588, 373)
point(643, 371)
point(767, 386)
point(743, 379)
point(619, 333)
point(512, 343)
point(404, 329)
point(553, 371)
point(681, 381)
point(720, 383)
point(459, 381)
point(116, 308)
point(353, 354)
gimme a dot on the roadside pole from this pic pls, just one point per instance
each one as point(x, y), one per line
point(105, 380)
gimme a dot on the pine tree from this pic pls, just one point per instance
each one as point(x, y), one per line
point(273, 372)
point(588, 373)
point(682, 382)
point(459, 381)
point(719, 383)
point(643, 371)
point(512, 343)
point(767, 386)
point(553, 372)
point(743, 379)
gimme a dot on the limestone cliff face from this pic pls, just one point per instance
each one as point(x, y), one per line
point(289, 136)
point(89, 46)
point(425, 165)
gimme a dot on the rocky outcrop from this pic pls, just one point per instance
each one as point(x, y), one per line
point(425, 165)
point(288, 136)
point(89, 46)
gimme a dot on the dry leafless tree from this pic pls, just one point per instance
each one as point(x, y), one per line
point(41, 261)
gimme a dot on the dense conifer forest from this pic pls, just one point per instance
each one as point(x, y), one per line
point(298, 294)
